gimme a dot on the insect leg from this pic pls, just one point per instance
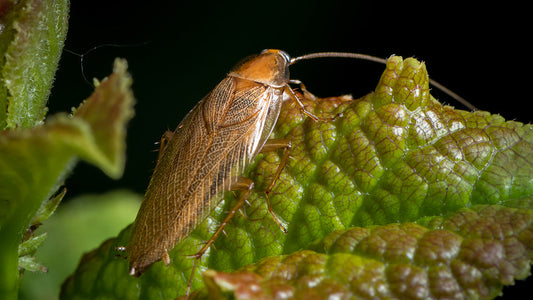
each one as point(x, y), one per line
point(307, 94)
point(245, 185)
point(273, 145)
point(293, 96)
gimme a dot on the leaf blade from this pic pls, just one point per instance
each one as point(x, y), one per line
point(395, 157)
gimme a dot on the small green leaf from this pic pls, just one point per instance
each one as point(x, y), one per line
point(28, 263)
point(76, 227)
point(47, 208)
point(27, 249)
point(395, 157)
point(29, 246)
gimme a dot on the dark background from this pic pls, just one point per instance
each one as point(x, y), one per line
point(177, 52)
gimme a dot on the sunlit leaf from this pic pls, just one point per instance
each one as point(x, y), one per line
point(426, 197)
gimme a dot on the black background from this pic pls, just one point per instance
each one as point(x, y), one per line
point(177, 52)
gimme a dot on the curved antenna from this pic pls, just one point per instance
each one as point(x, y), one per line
point(381, 61)
point(82, 55)
point(339, 54)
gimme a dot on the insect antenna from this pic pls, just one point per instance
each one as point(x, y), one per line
point(381, 61)
point(82, 56)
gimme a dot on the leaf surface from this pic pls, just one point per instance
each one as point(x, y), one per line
point(444, 259)
point(429, 200)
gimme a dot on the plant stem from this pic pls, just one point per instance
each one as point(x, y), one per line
point(9, 274)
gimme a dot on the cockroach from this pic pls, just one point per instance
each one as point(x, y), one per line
point(205, 155)
point(209, 151)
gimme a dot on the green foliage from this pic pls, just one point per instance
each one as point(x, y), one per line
point(34, 162)
point(80, 224)
point(30, 47)
point(36, 155)
point(442, 260)
point(400, 196)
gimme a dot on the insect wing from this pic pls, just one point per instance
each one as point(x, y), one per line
point(210, 148)
point(270, 117)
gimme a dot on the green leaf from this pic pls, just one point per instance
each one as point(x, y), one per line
point(30, 47)
point(395, 157)
point(34, 162)
point(396, 261)
point(26, 250)
point(28, 263)
point(47, 208)
point(31, 245)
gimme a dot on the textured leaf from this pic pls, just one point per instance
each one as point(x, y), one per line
point(396, 156)
point(30, 46)
point(34, 162)
point(469, 255)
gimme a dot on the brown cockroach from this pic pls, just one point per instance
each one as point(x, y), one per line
point(208, 152)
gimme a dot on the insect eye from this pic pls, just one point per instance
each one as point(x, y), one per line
point(285, 55)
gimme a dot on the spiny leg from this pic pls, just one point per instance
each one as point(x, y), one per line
point(274, 145)
point(301, 85)
point(242, 184)
point(294, 97)
point(246, 185)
